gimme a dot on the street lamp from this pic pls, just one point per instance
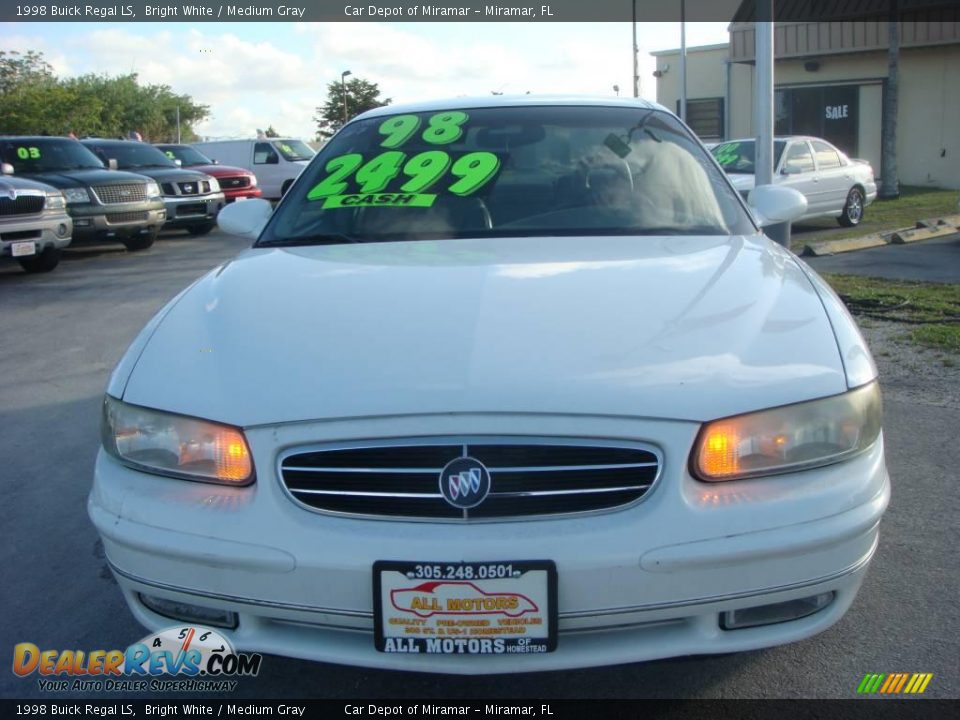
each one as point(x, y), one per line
point(343, 85)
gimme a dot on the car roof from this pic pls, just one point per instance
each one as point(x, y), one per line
point(785, 138)
point(495, 101)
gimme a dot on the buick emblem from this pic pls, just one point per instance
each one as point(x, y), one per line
point(464, 482)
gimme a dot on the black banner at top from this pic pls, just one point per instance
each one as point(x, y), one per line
point(452, 10)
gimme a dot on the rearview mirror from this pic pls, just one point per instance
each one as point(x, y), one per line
point(772, 204)
point(245, 219)
point(6, 169)
point(112, 163)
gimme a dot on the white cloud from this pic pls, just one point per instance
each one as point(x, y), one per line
point(281, 75)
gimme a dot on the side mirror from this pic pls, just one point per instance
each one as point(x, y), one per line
point(245, 219)
point(112, 163)
point(6, 169)
point(216, 162)
point(178, 162)
point(790, 170)
point(773, 204)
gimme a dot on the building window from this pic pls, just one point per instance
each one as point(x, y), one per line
point(705, 117)
point(830, 112)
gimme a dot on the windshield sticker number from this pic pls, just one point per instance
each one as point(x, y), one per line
point(727, 154)
point(169, 154)
point(472, 171)
point(398, 130)
point(28, 153)
point(442, 128)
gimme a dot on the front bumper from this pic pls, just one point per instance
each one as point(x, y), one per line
point(103, 222)
point(245, 193)
point(649, 581)
point(52, 231)
point(184, 211)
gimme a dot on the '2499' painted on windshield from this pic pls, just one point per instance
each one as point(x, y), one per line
point(422, 171)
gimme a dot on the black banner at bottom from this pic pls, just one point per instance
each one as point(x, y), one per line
point(861, 709)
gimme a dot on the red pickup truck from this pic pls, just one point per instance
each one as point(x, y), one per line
point(236, 183)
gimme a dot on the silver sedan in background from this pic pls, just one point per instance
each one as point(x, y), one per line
point(834, 185)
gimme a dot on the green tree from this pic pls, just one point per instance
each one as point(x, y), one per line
point(362, 95)
point(271, 133)
point(34, 100)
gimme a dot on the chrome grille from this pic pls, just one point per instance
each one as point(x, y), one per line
point(121, 193)
point(528, 477)
point(22, 205)
point(126, 217)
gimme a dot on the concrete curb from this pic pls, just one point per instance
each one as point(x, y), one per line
point(923, 230)
point(924, 233)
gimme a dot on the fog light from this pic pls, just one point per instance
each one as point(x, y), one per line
point(776, 613)
point(178, 610)
point(61, 230)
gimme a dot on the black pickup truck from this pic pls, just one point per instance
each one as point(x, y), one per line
point(104, 204)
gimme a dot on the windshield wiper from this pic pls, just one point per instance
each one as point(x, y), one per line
point(324, 239)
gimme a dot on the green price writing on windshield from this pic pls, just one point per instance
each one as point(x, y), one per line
point(442, 128)
point(472, 171)
point(28, 153)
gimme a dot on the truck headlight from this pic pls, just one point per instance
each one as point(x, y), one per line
point(789, 438)
point(76, 195)
point(56, 201)
point(214, 185)
point(152, 189)
point(253, 183)
point(175, 445)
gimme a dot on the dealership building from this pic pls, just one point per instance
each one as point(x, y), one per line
point(830, 78)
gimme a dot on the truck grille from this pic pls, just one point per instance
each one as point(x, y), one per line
point(187, 188)
point(126, 217)
point(230, 183)
point(22, 205)
point(121, 193)
point(528, 477)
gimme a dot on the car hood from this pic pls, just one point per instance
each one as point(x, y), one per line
point(76, 178)
point(690, 328)
point(161, 174)
point(218, 171)
point(743, 182)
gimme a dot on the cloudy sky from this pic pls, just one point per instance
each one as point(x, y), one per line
point(257, 74)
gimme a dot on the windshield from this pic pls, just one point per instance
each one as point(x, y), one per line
point(294, 149)
point(36, 155)
point(509, 171)
point(132, 155)
point(737, 157)
point(188, 156)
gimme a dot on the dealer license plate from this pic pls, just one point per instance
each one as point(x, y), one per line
point(22, 249)
point(465, 608)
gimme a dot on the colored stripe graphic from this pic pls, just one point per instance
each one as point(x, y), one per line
point(894, 683)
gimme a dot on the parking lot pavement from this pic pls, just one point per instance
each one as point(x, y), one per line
point(935, 260)
point(62, 334)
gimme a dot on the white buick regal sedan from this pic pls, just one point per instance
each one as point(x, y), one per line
point(503, 385)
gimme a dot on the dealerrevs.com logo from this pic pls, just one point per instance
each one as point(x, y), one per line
point(177, 659)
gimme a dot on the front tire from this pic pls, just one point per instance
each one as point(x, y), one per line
point(853, 209)
point(141, 242)
point(42, 263)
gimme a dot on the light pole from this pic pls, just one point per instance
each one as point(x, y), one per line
point(343, 86)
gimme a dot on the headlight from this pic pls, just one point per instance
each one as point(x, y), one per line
point(56, 201)
point(214, 185)
point(152, 189)
point(76, 195)
point(253, 183)
point(175, 445)
point(789, 438)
